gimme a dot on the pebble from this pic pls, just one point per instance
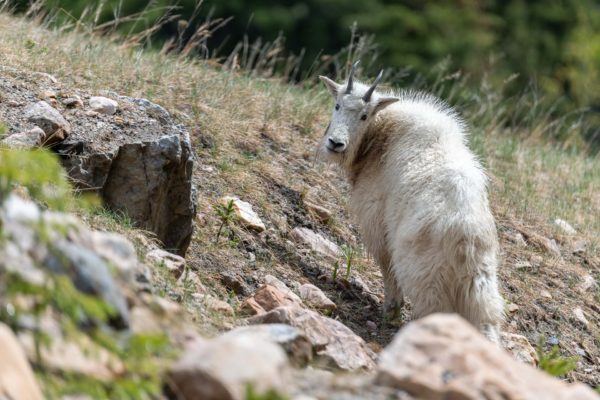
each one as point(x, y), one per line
point(103, 105)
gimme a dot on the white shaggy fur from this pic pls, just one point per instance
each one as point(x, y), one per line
point(419, 196)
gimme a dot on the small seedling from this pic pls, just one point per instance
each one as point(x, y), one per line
point(226, 213)
point(349, 252)
point(552, 362)
point(336, 267)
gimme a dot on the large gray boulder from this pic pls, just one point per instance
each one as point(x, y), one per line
point(142, 167)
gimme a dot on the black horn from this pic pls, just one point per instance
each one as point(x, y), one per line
point(367, 96)
point(351, 76)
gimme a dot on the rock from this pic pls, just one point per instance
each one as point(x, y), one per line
point(545, 294)
point(314, 297)
point(519, 347)
point(579, 247)
point(143, 170)
point(512, 308)
point(251, 307)
point(80, 357)
point(269, 297)
point(321, 213)
point(236, 283)
point(282, 287)
point(49, 120)
point(118, 251)
point(221, 368)
point(17, 381)
point(89, 274)
point(25, 140)
point(334, 343)
point(580, 316)
point(315, 242)
point(587, 282)
point(443, 357)
point(171, 262)
point(292, 340)
point(213, 304)
point(565, 226)
point(103, 105)
point(246, 215)
point(73, 101)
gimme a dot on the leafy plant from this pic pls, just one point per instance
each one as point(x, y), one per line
point(3, 129)
point(40, 173)
point(552, 362)
point(252, 394)
point(336, 267)
point(226, 213)
point(349, 252)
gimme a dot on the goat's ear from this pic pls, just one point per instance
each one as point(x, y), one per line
point(332, 86)
point(383, 102)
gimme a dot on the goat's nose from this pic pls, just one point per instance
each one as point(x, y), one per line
point(335, 145)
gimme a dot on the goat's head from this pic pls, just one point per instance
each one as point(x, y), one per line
point(356, 105)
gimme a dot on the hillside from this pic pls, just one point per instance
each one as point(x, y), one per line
point(255, 139)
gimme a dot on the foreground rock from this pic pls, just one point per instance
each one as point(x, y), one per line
point(292, 340)
point(222, 368)
point(25, 140)
point(16, 377)
point(442, 357)
point(334, 343)
point(315, 242)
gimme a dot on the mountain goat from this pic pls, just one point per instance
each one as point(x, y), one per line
point(419, 197)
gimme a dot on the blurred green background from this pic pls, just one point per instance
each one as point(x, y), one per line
point(552, 46)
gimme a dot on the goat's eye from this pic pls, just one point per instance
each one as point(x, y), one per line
point(337, 107)
point(363, 117)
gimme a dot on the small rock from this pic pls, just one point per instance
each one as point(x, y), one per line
point(292, 340)
point(246, 215)
point(16, 377)
point(565, 226)
point(221, 368)
point(587, 282)
point(578, 313)
point(235, 282)
point(25, 140)
point(273, 281)
point(171, 262)
point(517, 238)
point(519, 347)
point(545, 294)
point(314, 297)
point(73, 101)
point(579, 247)
point(47, 95)
point(512, 308)
point(335, 344)
point(251, 307)
point(525, 265)
point(371, 325)
point(103, 105)
point(49, 120)
point(321, 213)
point(269, 297)
point(315, 242)
point(214, 304)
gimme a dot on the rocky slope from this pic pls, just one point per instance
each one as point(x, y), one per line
point(274, 290)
